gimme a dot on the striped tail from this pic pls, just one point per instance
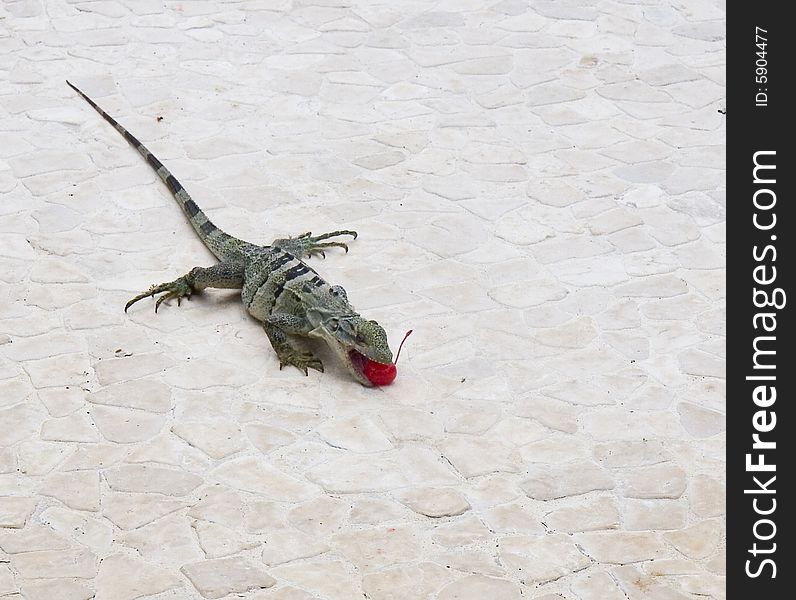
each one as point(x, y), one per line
point(221, 244)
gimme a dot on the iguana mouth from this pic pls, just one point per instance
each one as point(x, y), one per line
point(360, 362)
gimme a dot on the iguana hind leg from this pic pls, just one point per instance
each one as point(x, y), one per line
point(307, 244)
point(222, 275)
point(288, 354)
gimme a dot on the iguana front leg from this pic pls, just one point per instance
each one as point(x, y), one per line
point(288, 354)
point(222, 275)
point(307, 244)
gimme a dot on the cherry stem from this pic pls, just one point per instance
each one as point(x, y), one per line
point(406, 335)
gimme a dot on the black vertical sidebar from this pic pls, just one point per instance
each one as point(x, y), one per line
point(760, 368)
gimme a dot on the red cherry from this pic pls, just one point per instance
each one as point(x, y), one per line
point(380, 374)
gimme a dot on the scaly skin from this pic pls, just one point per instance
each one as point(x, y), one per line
point(279, 289)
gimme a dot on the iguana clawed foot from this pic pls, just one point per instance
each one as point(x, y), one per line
point(300, 360)
point(179, 288)
point(308, 245)
point(288, 354)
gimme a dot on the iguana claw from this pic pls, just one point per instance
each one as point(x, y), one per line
point(179, 288)
point(308, 245)
point(300, 360)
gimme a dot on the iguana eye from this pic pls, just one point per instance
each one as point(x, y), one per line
point(337, 290)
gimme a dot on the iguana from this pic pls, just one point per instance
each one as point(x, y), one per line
point(278, 288)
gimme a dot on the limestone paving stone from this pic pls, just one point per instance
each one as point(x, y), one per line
point(632, 240)
point(319, 516)
point(267, 437)
point(132, 367)
point(15, 510)
point(217, 440)
point(669, 566)
point(81, 528)
point(591, 272)
point(251, 475)
point(7, 586)
point(146, 479)
point(718, 564)
point(286, 545)
point(61, 402)
point(593, 514)
point(126, 578)
point(699, 421)
point(621, 547)
point(479, 586)
point(374, 511)
point(642, 515)
point(126, 426)
point(421, 581)
point(77, 427)
point(587, 393)
point(465, 530)
point(17, 423)
point(548, 482)
point(145, 394)
point(328, 579)
point(434, 502)
point(697, 541)
point(224, 576)
point(218, 504)
point(131, 511)
point(262, 515)
point(513, 517)
point(304, 454)
point(473, 456)
point(218, 541)
point(707, 496)
point(656, 286)
point(408, 423)
point(664, 480)
point(93, 456)
point(541, 558)
point(356, 474)
point(697, 362)
point(704, 584)
point(77, 489)
point(165, 540)
point(636, 585)
point(169, 450)
point(48, 564)
point(39, 458)
point(518, 431)
point(492, 490)
point(596, 586)
point(357, 434)
point(30, 539)
point(470, 559)
point(67, 589)
point(284, 592)
point(369, 549)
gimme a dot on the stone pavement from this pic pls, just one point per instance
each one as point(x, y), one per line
point(538, 188)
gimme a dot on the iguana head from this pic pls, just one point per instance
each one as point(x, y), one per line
point(355, 341)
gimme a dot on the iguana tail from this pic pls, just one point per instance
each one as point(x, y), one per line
point(223, 245)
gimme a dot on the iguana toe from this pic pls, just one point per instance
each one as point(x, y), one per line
point(301, 360)
point(179, 288)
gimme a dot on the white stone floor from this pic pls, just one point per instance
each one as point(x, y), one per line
point(539, 193)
